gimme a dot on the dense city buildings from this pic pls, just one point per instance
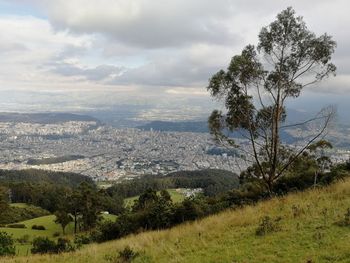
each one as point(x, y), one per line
point(107, 153)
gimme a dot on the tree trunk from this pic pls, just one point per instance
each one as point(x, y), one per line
point(75, 222)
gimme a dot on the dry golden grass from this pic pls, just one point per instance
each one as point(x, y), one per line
point(308, 234)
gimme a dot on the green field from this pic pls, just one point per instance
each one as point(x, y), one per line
point(307, 232)
point(176, 195)
point(20, 205)
point(51, 228)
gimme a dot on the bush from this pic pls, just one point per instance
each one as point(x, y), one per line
point(16, 226)
point(56, 234)
point(80, 240)
point(127, 254)
point(64, 245)
point(23, 239)
point(267, 225)
point(43, 245)
point(7, 247)
point(38, 227)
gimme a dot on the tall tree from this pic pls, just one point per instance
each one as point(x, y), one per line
point(3, 198)
point(63, 218)
point(75, 206)
point(90, 205)
point(256, 85)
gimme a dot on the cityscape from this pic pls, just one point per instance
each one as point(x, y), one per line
point(108, 153)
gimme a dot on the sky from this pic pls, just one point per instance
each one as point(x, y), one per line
point(81, 55)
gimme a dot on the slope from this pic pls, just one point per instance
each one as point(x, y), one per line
point(306, 230)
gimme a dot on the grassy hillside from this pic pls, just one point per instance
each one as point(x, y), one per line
point(50, 229)
point(305, 232)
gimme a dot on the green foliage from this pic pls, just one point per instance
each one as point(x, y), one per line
point(63, 218)
point(90, 205)
point(53, 160)
point(80, 240)
point(212, 181)
point(7, 247)
point(16, 214)
point(3, 198)
point(35, 176)
point(38, 227)
point(288, 58)
point(43, 245)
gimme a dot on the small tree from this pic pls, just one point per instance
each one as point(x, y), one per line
point(256, 85)
point(63, 218)
point(323, 161)
point(7, 247)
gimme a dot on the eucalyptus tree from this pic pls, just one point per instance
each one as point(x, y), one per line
point(258, 82)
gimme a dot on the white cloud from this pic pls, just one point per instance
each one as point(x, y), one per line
point(27, 43)
point(144, 46)
point(145, 23)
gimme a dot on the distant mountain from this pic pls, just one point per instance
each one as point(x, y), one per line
point(44, 118)
point(176, 126)
point(197, 126)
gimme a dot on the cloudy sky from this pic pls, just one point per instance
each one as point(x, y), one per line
point(85, 54)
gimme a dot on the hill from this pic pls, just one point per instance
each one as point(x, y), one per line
point(42, 176)
point(212, 181)
point(197, 126)
point(304, 227)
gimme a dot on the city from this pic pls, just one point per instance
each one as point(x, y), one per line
point(107, 153)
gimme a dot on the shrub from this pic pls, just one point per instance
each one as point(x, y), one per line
point(127, 254)
point(80, 240)
point(7, 247)
point(38, 227)
point(16, 226)
point(64, 245)
point(56, 234)
point(268, 225)
point(23, 239)
point(42, 245)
